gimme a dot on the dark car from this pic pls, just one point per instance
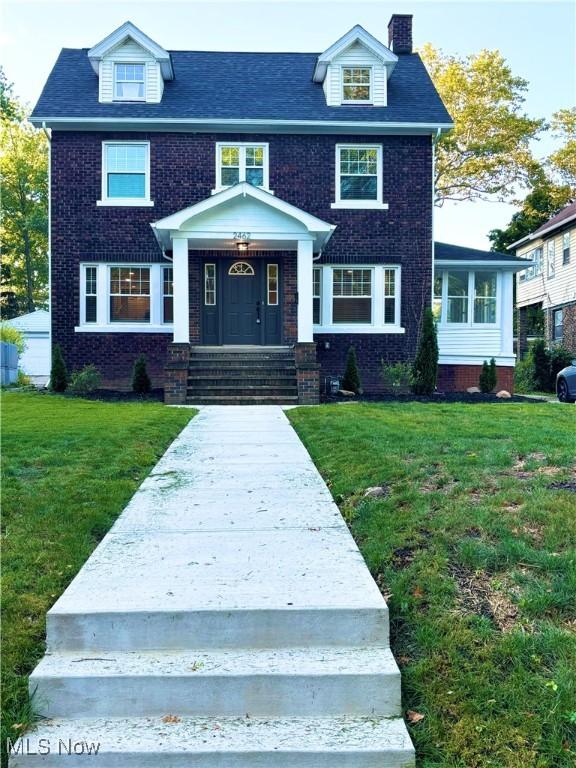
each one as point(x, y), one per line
point(566, 384)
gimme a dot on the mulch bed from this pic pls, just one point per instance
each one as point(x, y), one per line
point(438, 397)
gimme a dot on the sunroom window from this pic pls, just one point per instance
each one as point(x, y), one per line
point(356, 84)
point(352, 296)
point(485, 297)
point(130, 294)
point(457, 297)
point(129, 83)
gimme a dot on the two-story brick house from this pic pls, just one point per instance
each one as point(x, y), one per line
point(546, 290)
point(243, 219)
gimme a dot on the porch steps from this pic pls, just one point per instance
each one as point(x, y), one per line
point(242, 375)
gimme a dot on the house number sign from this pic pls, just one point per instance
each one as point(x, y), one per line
point(242, 235)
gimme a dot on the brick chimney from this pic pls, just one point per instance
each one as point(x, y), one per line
point(400, 33)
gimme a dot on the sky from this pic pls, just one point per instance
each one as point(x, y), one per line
point(538, 39)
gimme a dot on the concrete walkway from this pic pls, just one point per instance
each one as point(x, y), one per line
point(227, 619)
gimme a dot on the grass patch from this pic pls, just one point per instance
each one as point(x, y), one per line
point(476, 555)
point(68, 468)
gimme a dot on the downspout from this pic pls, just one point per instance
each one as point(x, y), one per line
point(49, 139)
point(435, 140)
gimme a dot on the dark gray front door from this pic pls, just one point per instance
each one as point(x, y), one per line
point(242, 302)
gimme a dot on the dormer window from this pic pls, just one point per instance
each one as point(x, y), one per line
point(129, 83)
point(356, 85)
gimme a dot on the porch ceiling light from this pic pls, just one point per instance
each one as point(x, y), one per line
point(242, 246)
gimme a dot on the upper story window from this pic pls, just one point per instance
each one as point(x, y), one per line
point(358, 176)
point(534, 255)
point(356, 85)
point(551, 258)
point(241, 162)
point(129, 82)
point(566, 248)
point(125, 173)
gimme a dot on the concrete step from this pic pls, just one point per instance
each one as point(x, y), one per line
point(249, 366)
point(192, 399)
point(246, 742)
point(284, 682)
point(234, 377)
point(250, 390)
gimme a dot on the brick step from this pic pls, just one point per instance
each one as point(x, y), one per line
point(195, 394)
point(242, 378)
point(241, 361)
point(232, 370)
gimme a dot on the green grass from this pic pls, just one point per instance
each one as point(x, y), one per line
point(477, 559)
point(68, 468)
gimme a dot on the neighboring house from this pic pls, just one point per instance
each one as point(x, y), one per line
point(546, 291)
point(205, 204)
point(35, 328)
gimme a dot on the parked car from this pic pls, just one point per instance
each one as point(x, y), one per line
point(566, 384)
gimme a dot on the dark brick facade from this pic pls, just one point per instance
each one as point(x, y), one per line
point(457, 378)
point(182, 173)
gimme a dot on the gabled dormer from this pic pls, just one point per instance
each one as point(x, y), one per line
point(130, 67)
point(355, 70)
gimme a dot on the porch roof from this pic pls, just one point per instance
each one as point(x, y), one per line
point(242, 213)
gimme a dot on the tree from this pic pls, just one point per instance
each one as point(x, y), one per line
point(425, 368)
point(59, 374)
point(140, 379)
point(487, 154)
point(351, 381)
point(563, 161)
point(24, 226)
point(543, 202)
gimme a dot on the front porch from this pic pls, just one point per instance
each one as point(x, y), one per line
point(242, 266)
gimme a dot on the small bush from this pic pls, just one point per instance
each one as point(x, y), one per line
point(140, 379)
point(85, 381)
point(541, 365)
point(488, 377)
point(425, 368)
point(59, 374)
point(351, 380)
point(397, 378)
point(23, 380)
point(560, 357)
point(524, 376)
point(12, 335)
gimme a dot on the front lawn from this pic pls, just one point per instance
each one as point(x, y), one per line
point(68, 468)
point(476, 555)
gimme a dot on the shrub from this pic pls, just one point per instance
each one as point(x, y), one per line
point(351, 380)
point(140, 379)
point(12, 335)
point(541, 365)
point(560, 357)
point(488, 377)
point(425, 368)
point(23, 380)
point(85, 381)
point(59, 374)
point(397, 378)
point(524, 375)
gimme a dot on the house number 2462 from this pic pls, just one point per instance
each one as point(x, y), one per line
point(241, 235)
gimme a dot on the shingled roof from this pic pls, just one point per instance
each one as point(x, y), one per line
point(449, 252)
point(240, 86)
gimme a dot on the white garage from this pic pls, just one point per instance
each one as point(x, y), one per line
point(35, 360)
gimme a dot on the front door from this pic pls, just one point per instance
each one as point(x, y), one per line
point(242, 302)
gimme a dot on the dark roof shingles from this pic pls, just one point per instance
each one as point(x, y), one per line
point(559, 218)
point(214, 85)
point(449, 252)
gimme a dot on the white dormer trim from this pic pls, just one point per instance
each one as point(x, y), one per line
point(356, 35)
point(119, 36)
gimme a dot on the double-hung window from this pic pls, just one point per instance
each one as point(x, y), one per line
point(356, 85)
point(558, 329)
point(317, 295)
point(167, 295)
point(130, 295)
point(351, 296)
point(126, 173)
point(566, 248)
point(90, 294)
point(129, 82)
point(551, 258)
point(465, 298)
point(241, 162)
point(358, 176)
point(457, 297)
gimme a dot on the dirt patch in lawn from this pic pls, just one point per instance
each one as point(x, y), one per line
point(477, 594)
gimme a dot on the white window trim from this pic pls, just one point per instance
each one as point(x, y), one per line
point(103, 323)
point(360, 204)
point(551, 262)
point(360, 102)
point(125, 201)
point(469, 323)
point(114, 81)
point(377, 325)
point(242, 170)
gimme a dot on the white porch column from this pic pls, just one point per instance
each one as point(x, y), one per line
point(304, 273)
point(181, 299)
